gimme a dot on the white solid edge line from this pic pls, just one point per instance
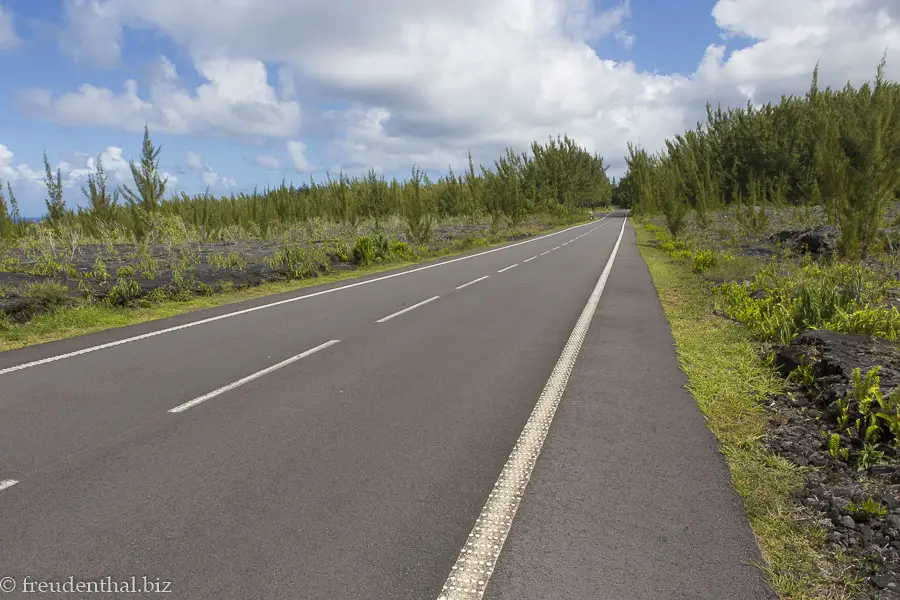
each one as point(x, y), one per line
point(475, 564)
point(529, 259)
point(508, 268)
point(459, 287)
point(7, 483)
point(407, 309)
point(249, 378)
point(151, 334)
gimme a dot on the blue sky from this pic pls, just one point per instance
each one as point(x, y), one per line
point(303, 89)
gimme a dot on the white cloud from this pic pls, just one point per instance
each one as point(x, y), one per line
point(207, 174)
point(425, 80)
point(627, 39)
point(212, 179)
point(194, 161)
point(8, 37)
point(267, 162)
point(297, 151)
point(93, 33)
point(236, 101)
point(16, 173)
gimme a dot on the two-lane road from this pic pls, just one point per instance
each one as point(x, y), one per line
point(343, 442)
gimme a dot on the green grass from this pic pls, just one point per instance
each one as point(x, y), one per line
point(83, 318)
point(730, 382)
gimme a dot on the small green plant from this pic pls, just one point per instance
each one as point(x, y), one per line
point(125, 290)
point(835, 450)
point(702, 261)
point(869, 418)
point(369, 249)
point(805, 373)
point(866, 510)
point(147, 264)
point(295, 262)
point(233, 261)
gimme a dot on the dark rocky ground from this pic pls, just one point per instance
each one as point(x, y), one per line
point(832, 483)
point(204, 267)
point(804, 418)
point(800, 416)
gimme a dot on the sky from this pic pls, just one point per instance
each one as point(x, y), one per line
point(246, 94)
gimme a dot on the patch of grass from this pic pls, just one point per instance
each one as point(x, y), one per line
point(781, 299)
point(739, 268)
point(730, 382)
point(85, 317)
point(46, 293)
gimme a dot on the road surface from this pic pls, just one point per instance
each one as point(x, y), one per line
point(367, 440)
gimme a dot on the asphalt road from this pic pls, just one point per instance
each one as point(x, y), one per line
point(342, 442)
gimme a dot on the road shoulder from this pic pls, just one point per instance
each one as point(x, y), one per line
point(631, 497)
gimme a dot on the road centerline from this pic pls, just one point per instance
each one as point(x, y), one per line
point(474, 281)
point(508, 268)
point(249, 378)
point(407, 309)
point(475, 564)
point(529, 259)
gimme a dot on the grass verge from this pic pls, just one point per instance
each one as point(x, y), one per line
point(731, 382)
point(83, 318)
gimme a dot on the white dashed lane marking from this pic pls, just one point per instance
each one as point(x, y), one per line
point(529, 259)
point(475, 564)
point(508, 268)
point(459, 287)
point(144, 336)
point(407, 309)
point(7, 483)
point(249, 378)
point(547, 252)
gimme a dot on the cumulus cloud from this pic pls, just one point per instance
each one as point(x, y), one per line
point(207, 174)
point(236, 101)
point(93, 34)
point(8, 37)
point(9, 171)
point(194, 161)
point(426, 80)
point(213, 179)
point(267, 162)
point(297, 151)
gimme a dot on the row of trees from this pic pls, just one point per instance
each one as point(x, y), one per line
point(558, 177)
point(837, 148)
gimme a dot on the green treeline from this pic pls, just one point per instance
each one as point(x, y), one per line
point(558, 178)
point(837, 148)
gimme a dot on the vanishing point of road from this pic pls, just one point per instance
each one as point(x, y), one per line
point(509, 424)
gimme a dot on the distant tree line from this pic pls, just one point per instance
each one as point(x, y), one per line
point(837, 148)
point(558, 177)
